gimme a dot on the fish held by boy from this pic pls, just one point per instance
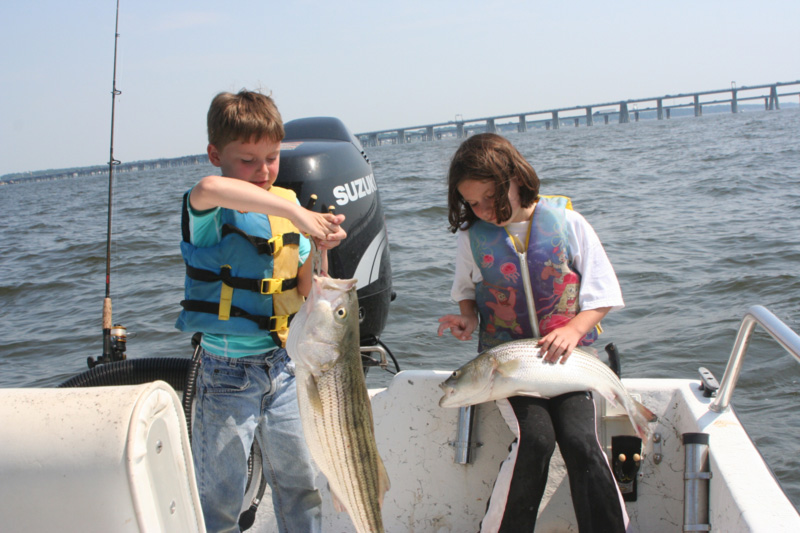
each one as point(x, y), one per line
point(517, 368)
point(335, 410)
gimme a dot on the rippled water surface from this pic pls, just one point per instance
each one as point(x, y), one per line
point(700, 217)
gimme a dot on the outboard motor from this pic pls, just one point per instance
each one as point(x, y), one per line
point(320, 157)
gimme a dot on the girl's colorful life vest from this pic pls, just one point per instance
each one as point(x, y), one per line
point(247, 283)
point(500, 297)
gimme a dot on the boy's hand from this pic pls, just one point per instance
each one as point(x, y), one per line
point(461, 326)
point(324, 227)
point(327, 245)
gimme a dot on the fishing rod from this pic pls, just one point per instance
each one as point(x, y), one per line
point(114, 338)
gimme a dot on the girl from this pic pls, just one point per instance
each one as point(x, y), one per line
point(494, 205)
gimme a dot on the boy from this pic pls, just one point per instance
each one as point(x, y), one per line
point(242, 287)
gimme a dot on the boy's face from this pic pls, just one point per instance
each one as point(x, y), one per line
point(255, 162)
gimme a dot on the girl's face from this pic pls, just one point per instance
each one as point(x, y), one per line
point(479, 195)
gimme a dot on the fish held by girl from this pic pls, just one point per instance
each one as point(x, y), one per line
point(517, 368)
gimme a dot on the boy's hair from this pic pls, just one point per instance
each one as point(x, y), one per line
point(488, 157)
point(248, 116)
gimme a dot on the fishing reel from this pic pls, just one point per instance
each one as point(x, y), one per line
point(115, 342)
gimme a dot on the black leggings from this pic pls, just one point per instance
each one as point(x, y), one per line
point(569, 420)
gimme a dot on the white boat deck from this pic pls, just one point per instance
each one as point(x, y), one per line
point(431, 493)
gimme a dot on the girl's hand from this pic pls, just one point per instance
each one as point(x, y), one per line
point(461, 326)
point(559, 343)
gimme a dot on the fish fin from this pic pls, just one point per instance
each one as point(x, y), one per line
point(338, 506)
point(649, 415)
point(642, 418)
point(530, 393)
point(610, 396)
point(383, 481)
point(314, 399)
point(508, 368)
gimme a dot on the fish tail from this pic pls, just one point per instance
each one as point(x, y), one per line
point(642, 417)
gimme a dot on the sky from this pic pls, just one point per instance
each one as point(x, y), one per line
point(373, 64)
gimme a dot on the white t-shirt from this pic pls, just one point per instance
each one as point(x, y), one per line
point(599, 284)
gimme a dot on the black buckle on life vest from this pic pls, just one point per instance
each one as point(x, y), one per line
point(264, 246)
point(272, 285)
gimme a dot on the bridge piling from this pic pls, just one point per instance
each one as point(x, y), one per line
point(624, 117)
point(773, 98)
point(589, 120)
point(698, 107)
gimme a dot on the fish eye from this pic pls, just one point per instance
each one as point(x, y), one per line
point(341, 312)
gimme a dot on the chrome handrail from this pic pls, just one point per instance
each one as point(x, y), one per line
point(381, 351)
point(779, 331)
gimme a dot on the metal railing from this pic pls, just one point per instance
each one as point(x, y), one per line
point(779, 331)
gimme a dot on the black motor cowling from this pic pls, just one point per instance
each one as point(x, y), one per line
point(319, 156)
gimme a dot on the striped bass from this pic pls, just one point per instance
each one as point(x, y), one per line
point(335, 410)
point(517, 368)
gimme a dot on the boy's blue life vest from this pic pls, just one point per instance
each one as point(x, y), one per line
point(555, 284)
point(247, 283)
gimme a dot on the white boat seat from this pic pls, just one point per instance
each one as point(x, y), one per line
point(96, 459)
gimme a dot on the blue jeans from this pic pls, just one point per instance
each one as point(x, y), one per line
point(235, 398)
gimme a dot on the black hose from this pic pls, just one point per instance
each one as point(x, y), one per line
point(134, 372)
point(248, 517)
point(191, 381)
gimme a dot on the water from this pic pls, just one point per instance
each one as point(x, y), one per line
point(700, 217)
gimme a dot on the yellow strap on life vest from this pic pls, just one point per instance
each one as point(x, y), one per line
point(225, 299)
point(518, 245)
point(569, 200)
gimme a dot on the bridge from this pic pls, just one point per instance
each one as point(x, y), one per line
point(661, 106)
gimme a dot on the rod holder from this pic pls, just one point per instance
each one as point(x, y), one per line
point(696, 482)
point(463, 443)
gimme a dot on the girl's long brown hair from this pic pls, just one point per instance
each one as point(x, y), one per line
point(488, 157)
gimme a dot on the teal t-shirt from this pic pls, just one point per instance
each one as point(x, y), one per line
point(205, 229)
